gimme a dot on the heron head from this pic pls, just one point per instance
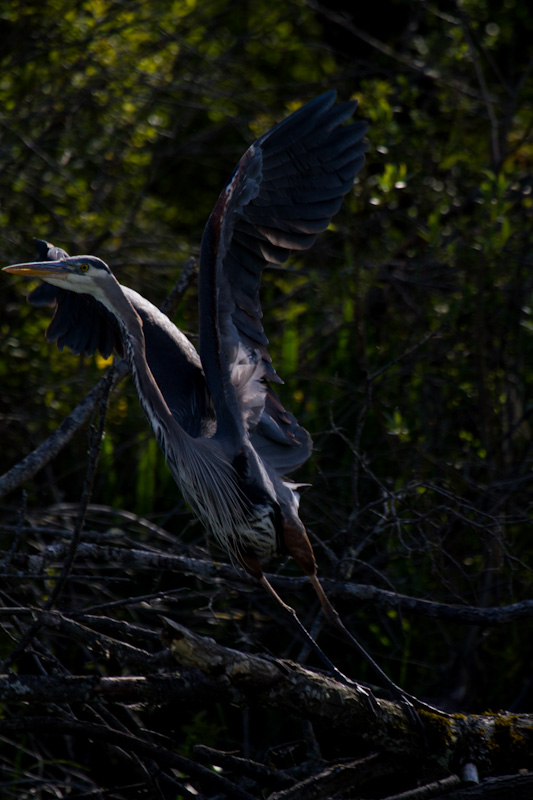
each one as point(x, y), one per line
point(81, 274)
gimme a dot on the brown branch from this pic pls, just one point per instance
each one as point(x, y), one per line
point(206, 674)
point(96, 440)
point(494, 741)
point(160, 755)
point(429, 790)
point(461, 614)
point(504, 787)
point(244, 766)
point(47, 450)
point(214, 572)
point(294, 689)
point(171, 302)
point(336, 779)
point(186, 688)
point(128, 655)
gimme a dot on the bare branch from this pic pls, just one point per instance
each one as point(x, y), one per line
point(209, 674)
point(45, 452)
point(214, 572)
point(489, 104)
point(161, 755)
point(339, 778)
point(96, 439)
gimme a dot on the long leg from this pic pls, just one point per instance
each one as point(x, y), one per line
point(253, 567)
point(334, 619)
point(397, 693)
point(298, 544)
point(290, 612)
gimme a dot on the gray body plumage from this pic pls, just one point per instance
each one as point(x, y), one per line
point(226, 437)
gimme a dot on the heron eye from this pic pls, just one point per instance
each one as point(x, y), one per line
point(84, 267)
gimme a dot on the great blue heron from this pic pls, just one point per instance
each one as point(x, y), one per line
point(225, 436)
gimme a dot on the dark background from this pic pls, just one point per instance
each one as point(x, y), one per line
point(404, 338)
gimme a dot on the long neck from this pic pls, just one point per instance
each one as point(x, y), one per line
point(150, 397)
point(201, 469)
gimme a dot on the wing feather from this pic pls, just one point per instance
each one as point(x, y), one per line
point(83, 325)
point(283, 193)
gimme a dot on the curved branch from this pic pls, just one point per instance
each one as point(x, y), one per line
point(215, 571)
point(47, 450)
point(501, 740)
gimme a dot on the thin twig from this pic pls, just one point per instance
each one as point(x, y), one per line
point(489, 105)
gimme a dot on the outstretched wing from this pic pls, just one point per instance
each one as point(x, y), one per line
point(84, 325)
point(284, 191)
